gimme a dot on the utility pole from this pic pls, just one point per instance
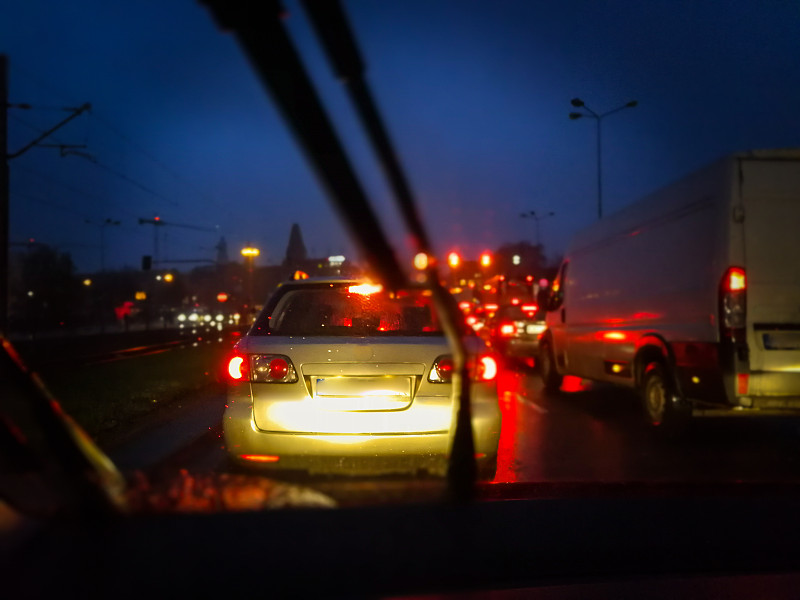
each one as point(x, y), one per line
point(5, 191)
point(532, 214)
point(578, 103)
point(4, 195)
point(156, 222)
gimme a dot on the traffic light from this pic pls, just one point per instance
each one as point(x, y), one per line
point(147, 262)
point(486, 259)
point(453, 259)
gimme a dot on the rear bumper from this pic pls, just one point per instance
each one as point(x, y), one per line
point(759, 406)
point(352, 453)
point(730, 390)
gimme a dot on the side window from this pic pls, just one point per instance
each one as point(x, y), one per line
point(556, 298)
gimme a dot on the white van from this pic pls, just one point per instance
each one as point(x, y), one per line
point(691, 295)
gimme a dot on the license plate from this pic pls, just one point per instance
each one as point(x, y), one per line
point(348, 387)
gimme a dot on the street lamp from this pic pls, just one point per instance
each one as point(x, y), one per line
point(531, 214)
point(578, 103)
point(103, 224)
point(249, 252)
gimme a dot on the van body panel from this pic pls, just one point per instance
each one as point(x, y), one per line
point(652, 275)
point(771, 202)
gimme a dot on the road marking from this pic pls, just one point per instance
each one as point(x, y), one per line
point(540, 409)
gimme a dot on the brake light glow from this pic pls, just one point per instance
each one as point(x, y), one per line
point(235, 367)
point(263, 458)
point(483, 369)
point(507, 329)
point(365, 289)
point(735, 280)
point(530, 307)
point(491, 307)
point(487, 368)
point(614, 335)
point(733, 303)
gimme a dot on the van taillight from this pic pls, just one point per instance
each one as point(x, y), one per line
point(735, 280)
point(733, 302)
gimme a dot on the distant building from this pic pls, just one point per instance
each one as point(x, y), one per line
point(296, 254)
point(222, 251)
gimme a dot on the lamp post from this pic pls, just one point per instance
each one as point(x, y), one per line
point(578, 103)
point(249, 252)
point(532, 214)
point(103, 226)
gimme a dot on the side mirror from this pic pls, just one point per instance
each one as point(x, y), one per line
point(554, 300)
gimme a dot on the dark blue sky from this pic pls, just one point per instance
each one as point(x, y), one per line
point(475, 94)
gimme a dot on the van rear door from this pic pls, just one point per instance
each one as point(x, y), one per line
point(770, 192)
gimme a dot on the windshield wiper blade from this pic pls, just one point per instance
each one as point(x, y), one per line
point(269, 48)
point(332, 28)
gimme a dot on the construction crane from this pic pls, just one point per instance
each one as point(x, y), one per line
point(159, 222)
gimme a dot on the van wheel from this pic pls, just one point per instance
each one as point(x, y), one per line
point(662, 407)
point(547, 369)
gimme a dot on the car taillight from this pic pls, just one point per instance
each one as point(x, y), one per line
point(530, 308)
point(272, 368)
point(237, 368)
point(733, 303)
point(507, 329)
point(484, 368)
point(442, 370)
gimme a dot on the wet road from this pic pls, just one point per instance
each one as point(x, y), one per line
point(596, 433)
point(593, 434)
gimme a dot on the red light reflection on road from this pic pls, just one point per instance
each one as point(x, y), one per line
point(522, 426)
point(550, 438)
point(571, 383)
point(508, 383)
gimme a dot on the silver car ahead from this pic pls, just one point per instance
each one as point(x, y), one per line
point(340, 376)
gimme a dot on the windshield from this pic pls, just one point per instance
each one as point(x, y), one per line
point(357, 309)
point(186, 241)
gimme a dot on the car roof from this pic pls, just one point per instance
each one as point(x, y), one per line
point(326, 279)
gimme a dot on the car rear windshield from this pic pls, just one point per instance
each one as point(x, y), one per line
point(517, 312)
point(349, 311)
